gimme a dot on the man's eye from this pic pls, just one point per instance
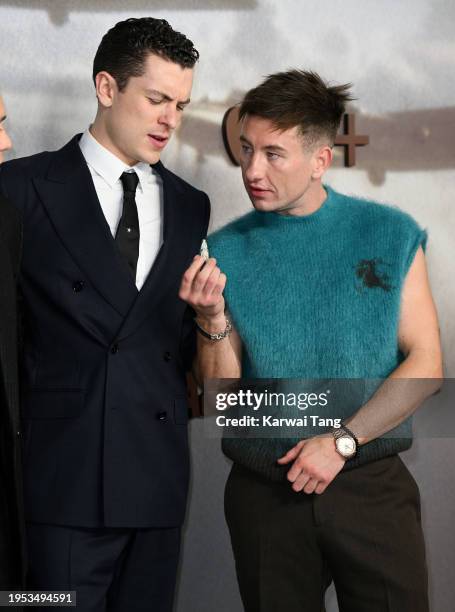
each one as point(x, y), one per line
point(272, 156)
point(155, 100)
point(245, 149)
point(181, 108)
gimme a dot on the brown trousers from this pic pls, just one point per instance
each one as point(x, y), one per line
point(364, 533)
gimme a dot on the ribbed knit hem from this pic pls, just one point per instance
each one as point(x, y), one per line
point(262, 456)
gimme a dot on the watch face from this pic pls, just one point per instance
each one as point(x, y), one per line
point(345, 446)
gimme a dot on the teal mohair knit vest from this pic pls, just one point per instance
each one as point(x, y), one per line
point(317, 297)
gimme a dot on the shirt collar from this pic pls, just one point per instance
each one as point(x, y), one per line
point(108, 165)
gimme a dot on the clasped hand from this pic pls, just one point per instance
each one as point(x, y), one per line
point(315, 463)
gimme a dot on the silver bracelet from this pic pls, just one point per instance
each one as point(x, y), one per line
point(215, 337)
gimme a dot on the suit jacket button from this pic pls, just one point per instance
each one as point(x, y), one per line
point(114, 349)
point(167, 356)
point(162, 416)
point(78, 286)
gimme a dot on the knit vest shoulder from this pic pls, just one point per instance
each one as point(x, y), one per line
point(317, 296)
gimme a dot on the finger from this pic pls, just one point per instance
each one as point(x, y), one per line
point(292, 453)
point(310, 486)
point(221, 284)
point(301, 481)
point(202, 276)
point(188, 277)
point(321, 487)
point(211, 282)
point(299, 465)
point(296, 469)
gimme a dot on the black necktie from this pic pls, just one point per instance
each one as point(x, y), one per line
point(127, 236)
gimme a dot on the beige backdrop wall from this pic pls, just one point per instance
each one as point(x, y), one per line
point(400, 56)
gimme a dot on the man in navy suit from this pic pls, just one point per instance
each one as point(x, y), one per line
point(108, 233)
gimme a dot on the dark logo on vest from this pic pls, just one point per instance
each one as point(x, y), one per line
point(371, 274)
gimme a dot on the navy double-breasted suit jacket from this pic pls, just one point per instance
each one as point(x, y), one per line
point(103, 379)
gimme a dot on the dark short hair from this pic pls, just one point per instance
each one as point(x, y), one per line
point(299, 98)
point(125, 47)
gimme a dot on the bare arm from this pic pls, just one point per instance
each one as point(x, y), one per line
point(315, 462)
point(418, 339)
point(202, 288)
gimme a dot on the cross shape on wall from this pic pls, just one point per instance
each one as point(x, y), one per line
point(350, 140)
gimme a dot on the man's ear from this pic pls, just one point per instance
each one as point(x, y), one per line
point(106, 88)
point(322, 158)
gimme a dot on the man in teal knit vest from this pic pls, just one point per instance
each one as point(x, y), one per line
point(320, 286)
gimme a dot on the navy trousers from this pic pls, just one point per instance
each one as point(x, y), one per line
point(111, 570)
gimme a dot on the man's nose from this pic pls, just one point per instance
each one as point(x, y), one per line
point(254, 170)
point(169, 116)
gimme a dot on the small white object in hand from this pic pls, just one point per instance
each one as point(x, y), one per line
point(204, 252)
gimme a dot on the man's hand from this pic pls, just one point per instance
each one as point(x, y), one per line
point(202, 288)
point(315, 464)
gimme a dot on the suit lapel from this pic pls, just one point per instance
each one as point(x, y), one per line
point(69, 196)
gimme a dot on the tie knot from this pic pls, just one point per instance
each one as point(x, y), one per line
point(129, 182)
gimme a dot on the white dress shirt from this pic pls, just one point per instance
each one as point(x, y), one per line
point(106, 170)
